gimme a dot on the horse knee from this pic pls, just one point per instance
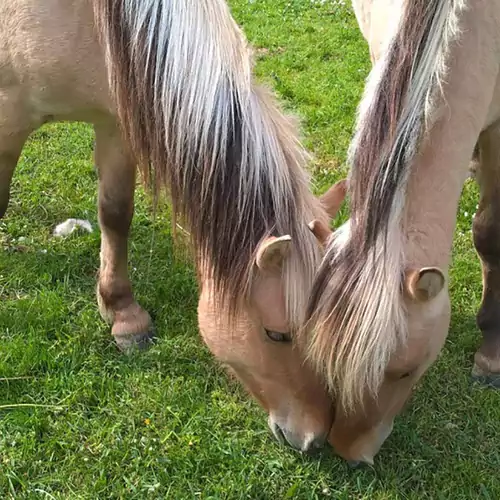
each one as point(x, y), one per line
point(116, 179)
point(116, 213)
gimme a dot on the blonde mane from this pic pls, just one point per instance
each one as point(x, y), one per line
point(181, 74)
point(356, 314)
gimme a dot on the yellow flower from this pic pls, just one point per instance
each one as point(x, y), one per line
point(147, 421)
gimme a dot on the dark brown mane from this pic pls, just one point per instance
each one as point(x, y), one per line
point(389, 132)
point(355, 313)
point(200, 126)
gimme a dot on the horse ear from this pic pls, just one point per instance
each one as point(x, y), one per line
point(424, 284)
point(272, 252)
point(333, 198)
point(321, 231)
point(331, 201)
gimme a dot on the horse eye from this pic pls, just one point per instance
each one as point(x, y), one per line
point(405, 375)
point(278, 336)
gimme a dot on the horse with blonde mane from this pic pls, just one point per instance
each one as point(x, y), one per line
point(181, 88)
point(379, 310)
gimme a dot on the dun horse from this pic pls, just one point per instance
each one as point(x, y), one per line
point(181, 82)
point(379, 310)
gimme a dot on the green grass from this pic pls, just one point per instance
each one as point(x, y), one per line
point(168, 423)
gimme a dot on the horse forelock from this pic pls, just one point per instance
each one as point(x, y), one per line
point(356, 318)
point(230, 158)
point(356, 315)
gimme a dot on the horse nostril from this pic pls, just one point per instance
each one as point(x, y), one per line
point(277, 432)
point(314, 444)
point(304, 442)
point(319, 442)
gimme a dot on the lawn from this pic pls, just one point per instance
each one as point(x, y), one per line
point(168, 423)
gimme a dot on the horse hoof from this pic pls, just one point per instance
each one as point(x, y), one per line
point(133, 329)
point(487, 379)
point(138, 341)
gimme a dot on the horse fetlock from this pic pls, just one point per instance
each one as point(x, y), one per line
point(106, 312)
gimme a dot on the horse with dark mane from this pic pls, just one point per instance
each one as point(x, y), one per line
point(181, 101)
point(379, 310)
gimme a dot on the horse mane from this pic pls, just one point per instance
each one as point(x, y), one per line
point(181, 75)
point(356, 315)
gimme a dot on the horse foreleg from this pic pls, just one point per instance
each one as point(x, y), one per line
point(12, 139)
point(486, 230)
point(131, 323)
point(8, 162)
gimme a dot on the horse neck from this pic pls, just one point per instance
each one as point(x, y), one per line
point(442, 166)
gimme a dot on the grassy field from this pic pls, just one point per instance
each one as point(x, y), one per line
point(168, 423)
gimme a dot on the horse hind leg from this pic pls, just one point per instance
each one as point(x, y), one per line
point(131, 324)
point(486, 232)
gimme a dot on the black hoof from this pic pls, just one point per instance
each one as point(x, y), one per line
point(492, 381)
point(139, 341)
point(354, 464)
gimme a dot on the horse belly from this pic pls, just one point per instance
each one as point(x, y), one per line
point(49, 54)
